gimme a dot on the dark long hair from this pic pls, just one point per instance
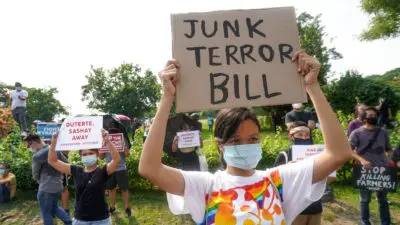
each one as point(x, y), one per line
point(227, 122)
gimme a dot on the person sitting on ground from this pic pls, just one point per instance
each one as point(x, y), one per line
point(8, 183)
point(240, 193)
point(90, 182)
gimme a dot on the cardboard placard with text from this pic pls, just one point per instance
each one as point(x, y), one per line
point(46, 130)
point(77, 133)
point(379, 178)
point(300, 152)
point(236, 58)
point(117, 140)
point(188, 139)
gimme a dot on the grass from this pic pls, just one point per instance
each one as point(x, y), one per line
point(151, 208)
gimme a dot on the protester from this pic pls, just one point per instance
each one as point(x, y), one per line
point(188, 157)
point(90, 182)
point(210, 121)
point(370, 143)
point(357, 122)
point(396, 157)
point(299, 134)
point(65, 192)
point(8, 183)
point(120, 178)
point(49, 180)
point(18, 99)
point(298, 114)
point(384, 113)
point(237, 193)
point(198, 125)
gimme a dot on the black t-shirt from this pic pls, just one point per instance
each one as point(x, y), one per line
point(315, 207)
point(90, 187)
point(303, 116)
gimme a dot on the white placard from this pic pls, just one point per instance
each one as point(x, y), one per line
point(300, 152)
point(188, 139)
point(78, 133)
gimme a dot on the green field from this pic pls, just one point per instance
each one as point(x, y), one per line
point(151, 208)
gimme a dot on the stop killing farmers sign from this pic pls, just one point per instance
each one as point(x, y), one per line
point(236, 58)
point(78, 133)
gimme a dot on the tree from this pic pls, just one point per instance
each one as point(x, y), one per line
point(344, 94)
point(312, 36)
point(122, 90)
point(385, 19)
point(42, 105)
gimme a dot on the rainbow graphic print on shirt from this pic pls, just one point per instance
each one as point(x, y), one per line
point(254, 204)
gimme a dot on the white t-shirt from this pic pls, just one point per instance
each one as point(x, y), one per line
point(249, 200)
point(16, 102)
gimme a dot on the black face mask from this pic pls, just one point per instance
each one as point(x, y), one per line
point(372, 120)
point(298, 141)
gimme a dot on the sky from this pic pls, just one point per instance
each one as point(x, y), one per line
point(54, 43)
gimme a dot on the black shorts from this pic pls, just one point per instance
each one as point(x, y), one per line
point(120, 178)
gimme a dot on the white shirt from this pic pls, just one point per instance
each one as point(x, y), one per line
point(235, 199)
point(16, 101)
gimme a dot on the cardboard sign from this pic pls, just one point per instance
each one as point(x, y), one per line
point(236, 58)
point(46, 130)
point(118, 142)
point(188, 139)
point(375, 179)
point(78, 133)
point(300, 152)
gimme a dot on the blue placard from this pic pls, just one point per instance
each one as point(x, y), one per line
point(46, 130)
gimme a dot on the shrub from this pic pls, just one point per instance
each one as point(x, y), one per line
point(14, 152)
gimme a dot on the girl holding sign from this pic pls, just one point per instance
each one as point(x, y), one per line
point(240, 194)
point(90, 181)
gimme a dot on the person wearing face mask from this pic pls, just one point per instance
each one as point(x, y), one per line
point(18, 99)
point(8, 183)
point(90, 182)
point(298, 114)
point(299, 134)
point(188, 157)
point(241, 194)
point(371, 147)
point(49, 180)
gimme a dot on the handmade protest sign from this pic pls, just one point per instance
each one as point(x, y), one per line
point(188, 139)
point(300, 152)
point(236, 58)
point(46, 130)
point(376, 179)
point(117, 140)
point(78, 133)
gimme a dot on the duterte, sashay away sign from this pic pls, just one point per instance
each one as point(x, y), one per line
point(236, 58)
point(77, 133)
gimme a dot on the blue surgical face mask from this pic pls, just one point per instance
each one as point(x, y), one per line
point(18, 89)
point(2, 171)
point(89, 160)
point(243, 156)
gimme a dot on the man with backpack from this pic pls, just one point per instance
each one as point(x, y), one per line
point(371, 148)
